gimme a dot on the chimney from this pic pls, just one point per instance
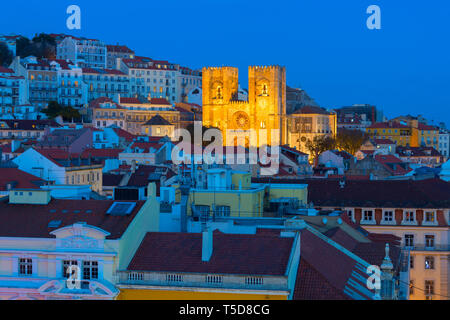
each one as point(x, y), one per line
point(207, 244)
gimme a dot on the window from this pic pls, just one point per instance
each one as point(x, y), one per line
point(222, 211)
point(429, 262)
point(408, 216)
point(409, 240)
point(411, 262)
point(429, 289)
point(388, 216)
point(429, 216)
point(429, 241)
point(90, 270)
point(25, 266)
point(66, 265)
point(368, 215)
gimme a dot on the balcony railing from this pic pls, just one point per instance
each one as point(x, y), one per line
point(203, 280)
point(423, 247)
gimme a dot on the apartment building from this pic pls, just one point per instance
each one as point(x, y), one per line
point(140, 110)
point(106, 113)
point(13, 90)
point(253, 259)
point(86, 53)
point(90, 240)
point(415, 211)
point(444, 143)
point(42, 79)
point(61, 167)
point(187, 80)
point(397, 132)
point(115, 52)
point(159, 79)
point(308, 122)
point(106, 83)
point(72, 91)
point(25, 129)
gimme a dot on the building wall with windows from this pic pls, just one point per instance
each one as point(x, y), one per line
point(86, 53)
point(35, 267)
point(72, 91)
point(444, 143)
point(106, 83)
point(425, 233)
point(307, 123)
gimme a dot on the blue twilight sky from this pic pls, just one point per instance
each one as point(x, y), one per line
point(324, 44)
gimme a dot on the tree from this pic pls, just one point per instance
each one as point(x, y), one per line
point(54, 109)
point(42, 46)
point(6, 56)
point(350, 140)
point(318, 145)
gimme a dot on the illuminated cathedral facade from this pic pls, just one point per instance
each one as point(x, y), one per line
point(263, 114)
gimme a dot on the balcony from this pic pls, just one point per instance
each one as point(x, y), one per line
point(423, 247)
point(193, 280)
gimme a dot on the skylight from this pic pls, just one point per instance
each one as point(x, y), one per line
point(121, 208)
point(54, 223)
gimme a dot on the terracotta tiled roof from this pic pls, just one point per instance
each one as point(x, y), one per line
point(311, 110)
point(146, 146)
point(157, 120)
point(101, 153)
point(321, 258)
point(417, 152)
point(119, 48)
point(31, 221)
point(29, 125)
point(5, 70)
point(97, 103)
point(124, 134)
point(393, 164)
point(312, 285)
point(388, 125)
point(128, 100)
point(160, 101)
point(429, 193)
point(18, 179)
point(383, 141)
point(232, 253)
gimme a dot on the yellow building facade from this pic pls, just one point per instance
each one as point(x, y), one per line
point(264, 111)
point(398, 133)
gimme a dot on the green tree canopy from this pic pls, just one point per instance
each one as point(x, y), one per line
point(54, 109)
point(6, 56)
point(318, 145)
point(350, 140)
point(41, 46)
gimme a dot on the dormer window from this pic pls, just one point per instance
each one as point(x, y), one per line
point(388, 216)
point(368, 217)
point(408, 216)
point(430, 216)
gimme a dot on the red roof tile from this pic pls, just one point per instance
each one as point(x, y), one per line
point(259, 254)
point(18, 179)
point(31, 221)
